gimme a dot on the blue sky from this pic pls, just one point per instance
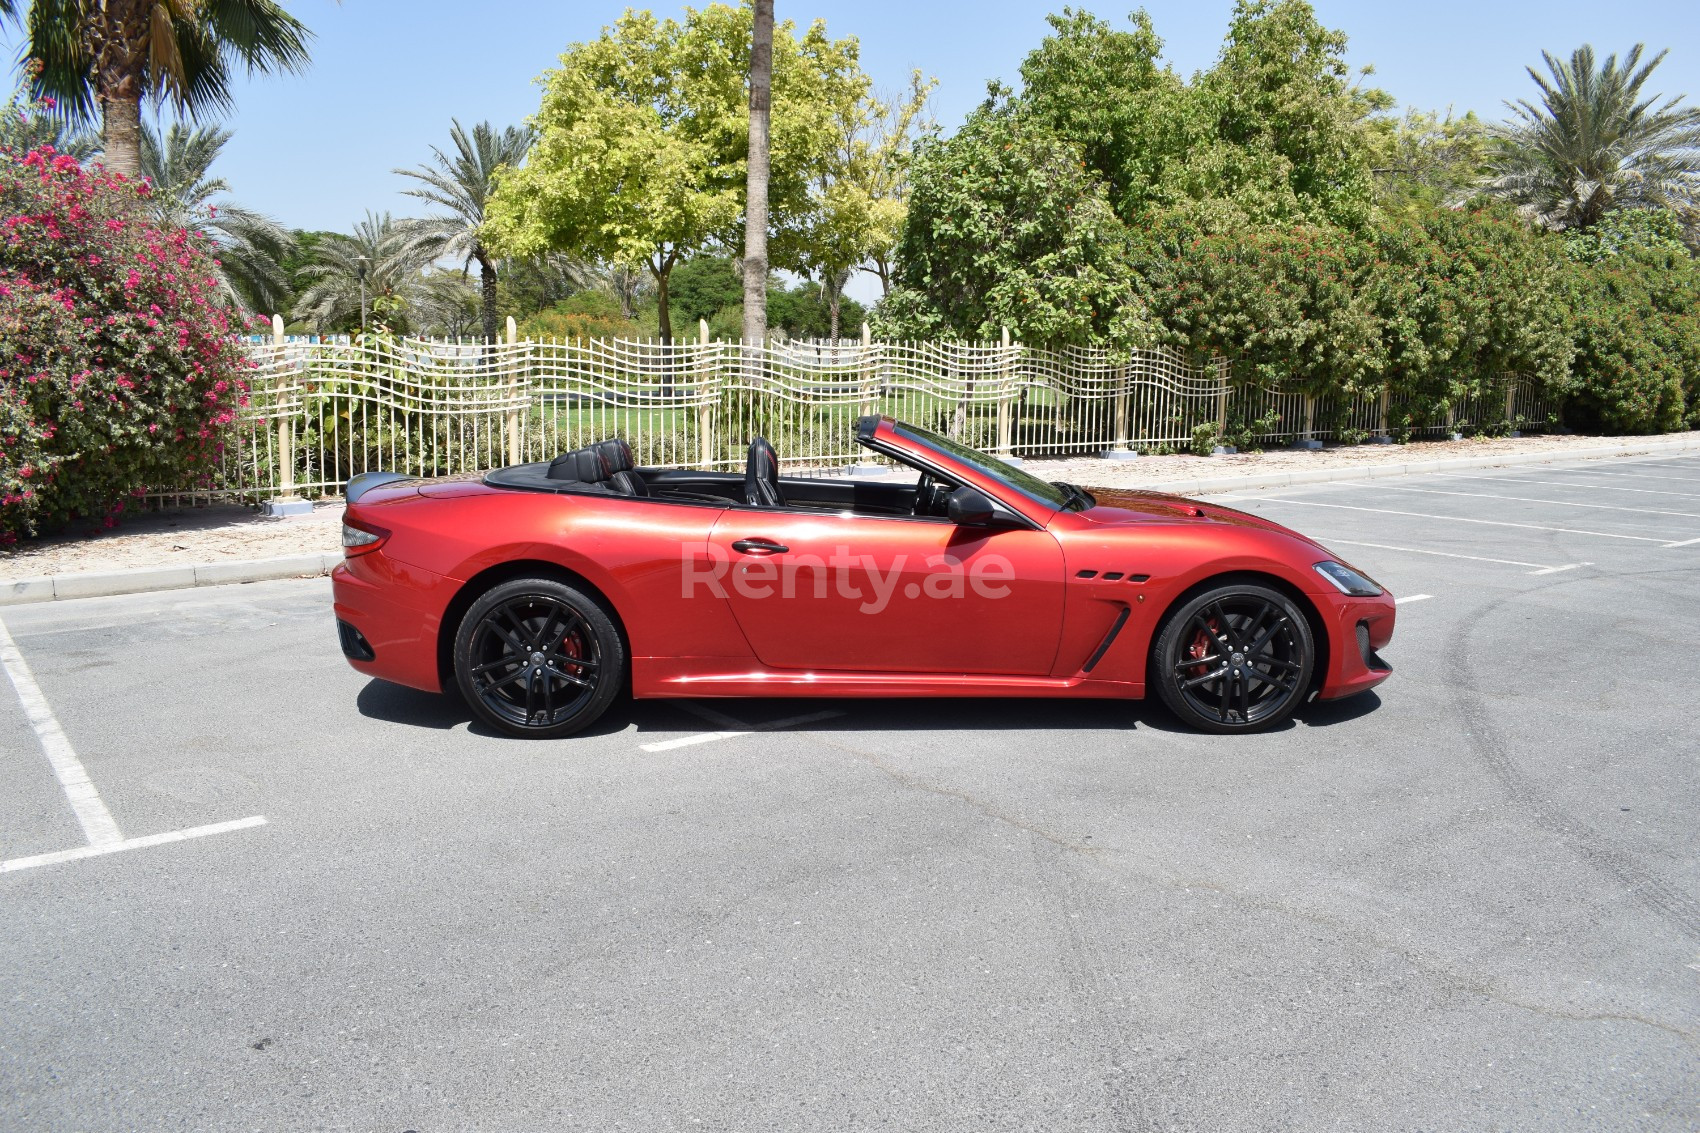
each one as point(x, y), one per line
point(315, 150)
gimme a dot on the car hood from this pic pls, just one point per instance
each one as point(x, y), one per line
point(1117, 507)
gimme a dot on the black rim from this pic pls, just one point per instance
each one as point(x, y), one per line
point(535, 661)
point(1239, 660)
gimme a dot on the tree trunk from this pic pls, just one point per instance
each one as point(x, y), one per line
point(755, 194)
point(121, 131)
point(487, 282)
point(661, 275)
point(833, 298)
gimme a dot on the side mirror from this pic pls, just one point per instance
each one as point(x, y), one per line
point(969, 508)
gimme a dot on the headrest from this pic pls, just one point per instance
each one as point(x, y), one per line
point(618, 454)
point(585, 464)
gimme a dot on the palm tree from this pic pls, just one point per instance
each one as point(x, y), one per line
point(1595, 143)
point(113, 53)
point(381, 262)
point(27, 124)
point(250, 245)
point(463, 184)
point(756, 182)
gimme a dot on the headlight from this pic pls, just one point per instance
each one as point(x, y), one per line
point(1348, 581)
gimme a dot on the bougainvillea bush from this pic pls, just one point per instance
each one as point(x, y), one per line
point(118, 364)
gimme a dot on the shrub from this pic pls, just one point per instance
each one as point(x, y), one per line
point(588, 314)
point(118, 365)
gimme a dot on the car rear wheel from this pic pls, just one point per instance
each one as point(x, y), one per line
point(538, 658)
point(1237, 658)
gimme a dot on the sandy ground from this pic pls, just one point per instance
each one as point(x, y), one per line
point(223, 533)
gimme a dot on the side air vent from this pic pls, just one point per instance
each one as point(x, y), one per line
point(1112, 575)
point(1087, 574)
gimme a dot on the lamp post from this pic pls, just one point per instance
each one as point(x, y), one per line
point(361, 272)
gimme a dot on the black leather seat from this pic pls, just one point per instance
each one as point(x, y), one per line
point(761, 476)
point(623, 477)
point(586, 465)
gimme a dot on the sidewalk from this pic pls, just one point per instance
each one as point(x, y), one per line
point(224, 544)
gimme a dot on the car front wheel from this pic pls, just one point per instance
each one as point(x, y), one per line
point(1237, 658)
point(538, 658)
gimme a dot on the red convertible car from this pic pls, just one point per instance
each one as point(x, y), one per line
point(541, 590)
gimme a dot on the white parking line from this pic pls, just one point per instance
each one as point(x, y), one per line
point(1590, 486)
point(1541, 569)
point(1630, 475)
point(1465, 519)
point(1535, 500)
point(130, 844)
point(97, 822)
point(1409, 598)
point(724, 720)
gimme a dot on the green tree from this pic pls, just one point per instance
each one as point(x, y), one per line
point(109, 56)
point(1596, 142)
point(1006, 227)
point(643, 136)
point(704, 285)
point(462, 184)
point(251, 246)
point(1290, 141)
point(1106, 90)
point(382, 260)
point(1423, 160)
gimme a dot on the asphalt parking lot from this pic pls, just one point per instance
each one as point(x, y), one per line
point(1469, 901)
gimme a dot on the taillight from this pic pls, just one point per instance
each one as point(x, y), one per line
point(360, 540)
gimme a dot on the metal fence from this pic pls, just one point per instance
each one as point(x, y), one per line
point(324, 411)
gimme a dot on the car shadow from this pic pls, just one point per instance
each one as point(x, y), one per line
point(380, 700)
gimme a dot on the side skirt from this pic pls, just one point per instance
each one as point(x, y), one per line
point(663, 677)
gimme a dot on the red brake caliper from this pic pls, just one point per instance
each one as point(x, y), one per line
point(1202, 646)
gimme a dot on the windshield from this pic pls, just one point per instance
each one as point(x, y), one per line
point(1063, 496)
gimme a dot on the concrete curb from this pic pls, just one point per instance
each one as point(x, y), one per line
point(58, 587)
point(1255, 481)
point(100, 584)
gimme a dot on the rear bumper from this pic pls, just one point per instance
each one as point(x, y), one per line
point(394, 610)
point(1358, 628)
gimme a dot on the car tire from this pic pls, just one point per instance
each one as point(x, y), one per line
point(539, 658)
point(1235, 658)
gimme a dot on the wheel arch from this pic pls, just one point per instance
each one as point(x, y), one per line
point(1313, 616)
point(493, 576)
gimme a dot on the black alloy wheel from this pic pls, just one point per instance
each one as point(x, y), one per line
point(1237, 658)
point(538, 658)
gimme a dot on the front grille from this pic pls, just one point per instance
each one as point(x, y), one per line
point(354, 644)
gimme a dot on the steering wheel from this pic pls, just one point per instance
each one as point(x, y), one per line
point(761, 476)
point(931, 495)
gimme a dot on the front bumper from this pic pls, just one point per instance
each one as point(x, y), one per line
point(1358, 628)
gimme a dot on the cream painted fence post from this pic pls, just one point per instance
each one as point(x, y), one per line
point(1511, 402)
point(865, 374)
point(705, 405)
point(1005, 393)
point(515, 455)
point(288, 503)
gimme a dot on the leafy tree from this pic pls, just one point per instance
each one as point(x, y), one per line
point(110, 55)
point(859, 195)
point(527, 286)
point(1627, 232)
point(705, 284)
point(389, 254)
point(250, 245)
point(643, 135)
point(1289, 138)
point(1106, 90)
point(1596, 143)
point(463, 184)
point(1423, 161)
point(806, 311)
point(1006, 227)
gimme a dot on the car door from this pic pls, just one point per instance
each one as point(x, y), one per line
point(837, 591)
